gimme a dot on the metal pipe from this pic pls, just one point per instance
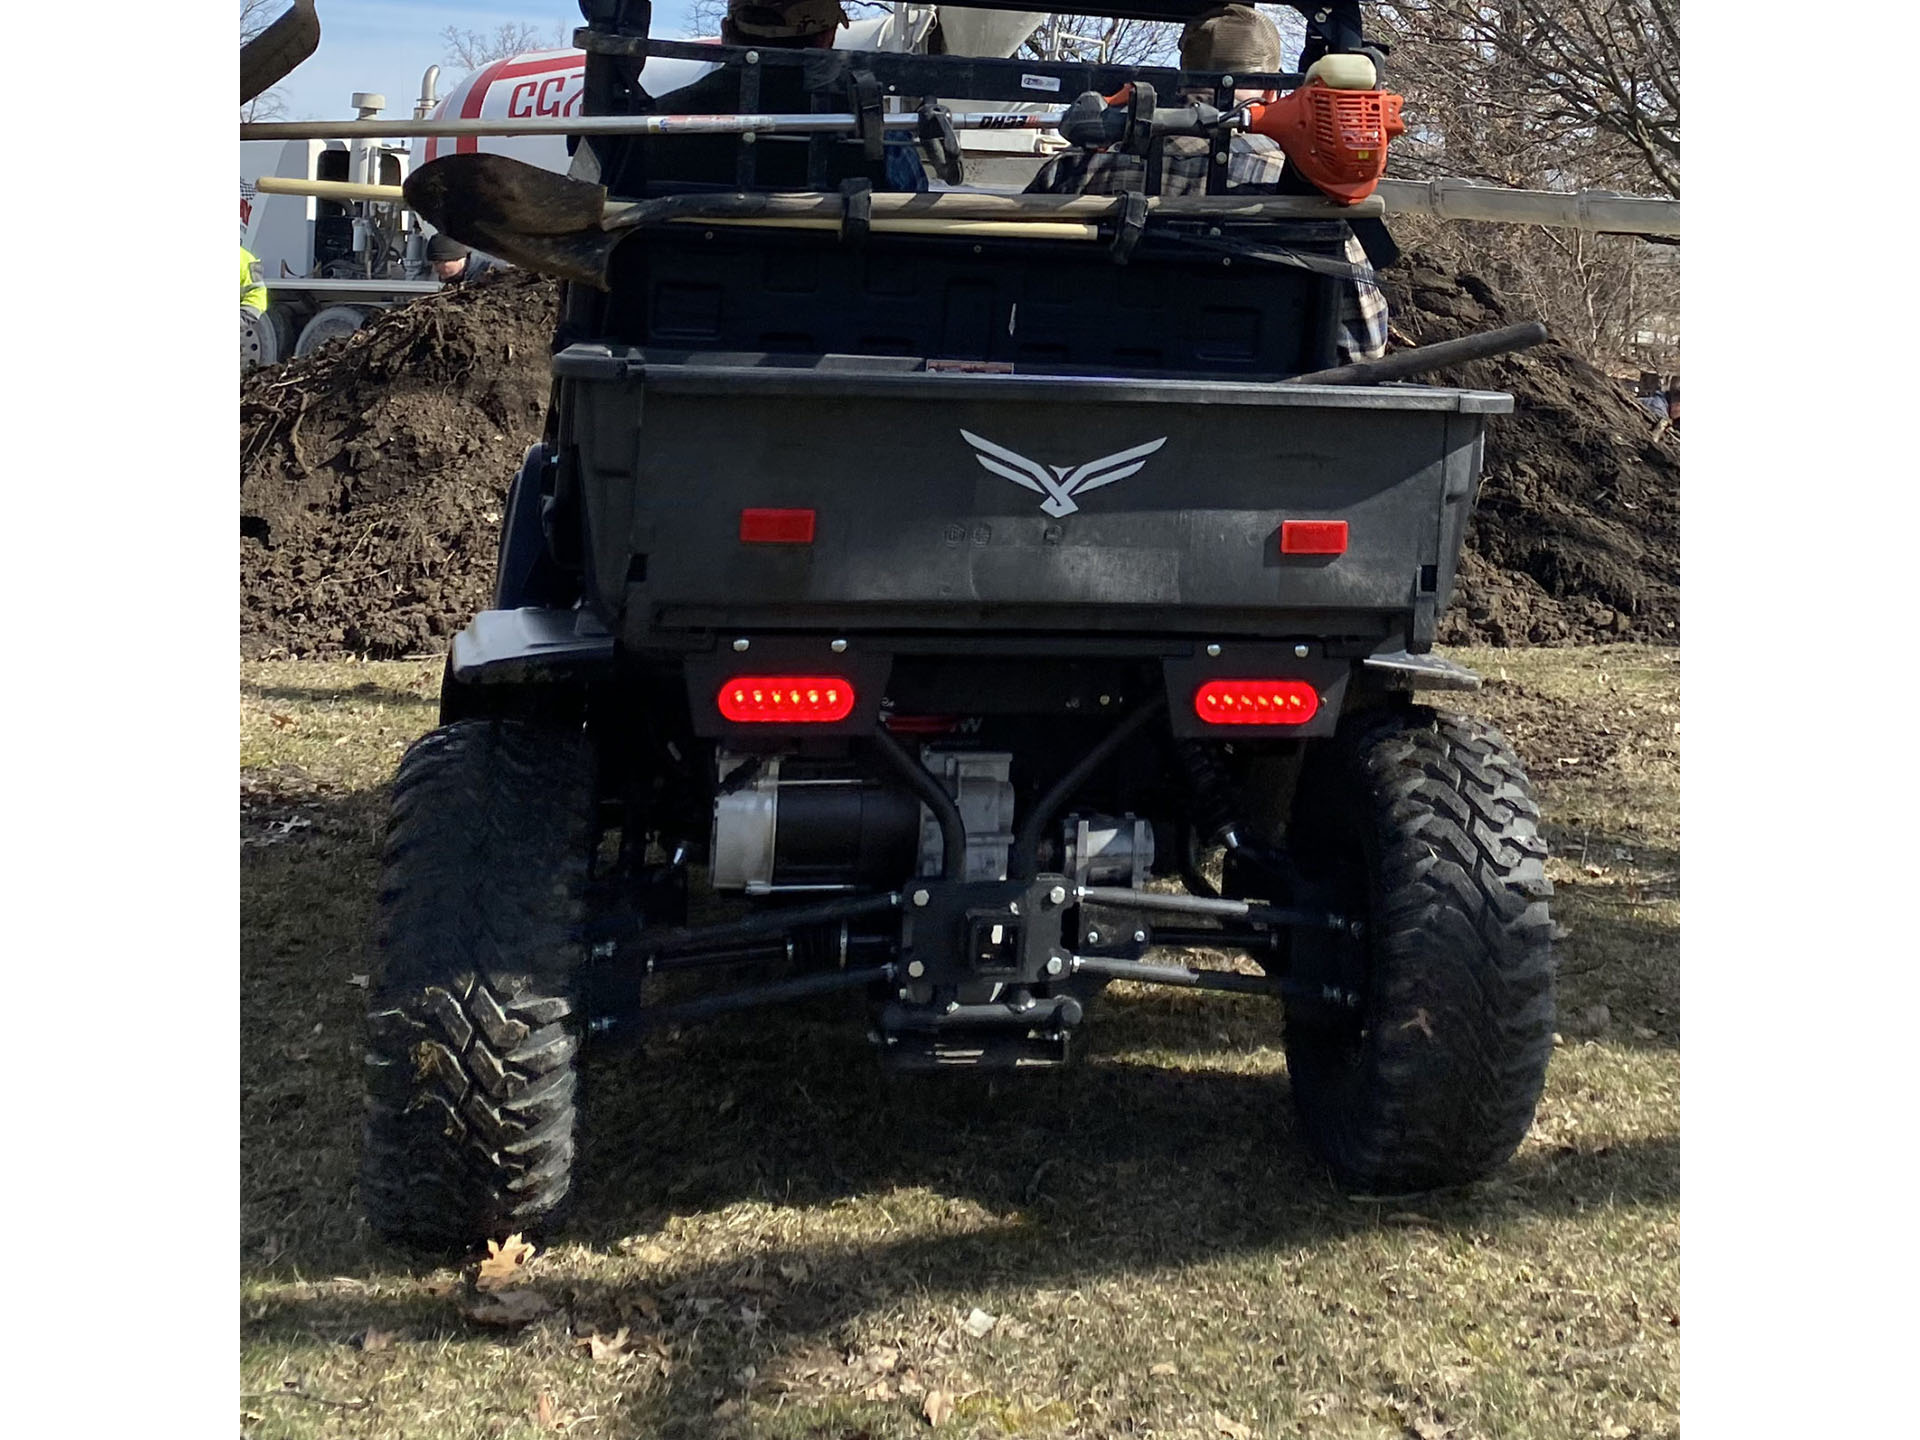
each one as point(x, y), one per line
point(1259, 914)
point(1148, 900)
point(1429, 357)
point(1252, 941)
point(429, 93)
point(1104, 969)
point(953, 830)
point(761, 124)
point(1599, 211)
point(1021, 864)
point(1055, 1010)
point(706, 1007)
point(769, 951)
point(775, 923)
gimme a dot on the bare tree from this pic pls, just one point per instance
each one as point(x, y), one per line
point(1593, 82)
point(470, 49)
point(255, 16)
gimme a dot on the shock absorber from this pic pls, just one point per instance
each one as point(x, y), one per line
point(1215, 818)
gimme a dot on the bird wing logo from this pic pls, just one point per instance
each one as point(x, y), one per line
point(1059, 484)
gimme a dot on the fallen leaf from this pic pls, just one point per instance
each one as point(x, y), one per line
point(1014, 1330)
point(1165, 1367)
point(281, 722)
point(506, 1264)
point(978, 1323)
point(881, 1359)
point(1427, 1429)
point(794, 1271)
point(543, 1412)
point(508, 1308)
point(1614, 1430)
point(651, 1251)
point(1232, 1427)
point(441, 1286)
point(878, 1390)
point(642, 1304)
point(376, 1340)
point(937, 1407)
point(359, 982)
point(727, 1408)
point(605, 1347)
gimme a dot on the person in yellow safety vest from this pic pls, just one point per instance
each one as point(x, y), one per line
point(253, 295)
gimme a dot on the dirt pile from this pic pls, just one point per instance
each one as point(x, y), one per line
point(373, 474)
point(1576, 534)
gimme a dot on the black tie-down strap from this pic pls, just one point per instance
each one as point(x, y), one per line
point(868, 114)
point(1129, 225)
point(857, 222)
point(941, 144)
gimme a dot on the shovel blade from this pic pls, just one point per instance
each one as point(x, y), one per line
point(272, 55)
point(508, 196)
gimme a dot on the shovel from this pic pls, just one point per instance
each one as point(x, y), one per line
point(272, 55)
point(546, 222)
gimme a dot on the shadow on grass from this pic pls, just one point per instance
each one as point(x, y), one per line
point(1114, 1168)
point(367, 692)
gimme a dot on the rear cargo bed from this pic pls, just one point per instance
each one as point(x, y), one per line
point(1021, 502)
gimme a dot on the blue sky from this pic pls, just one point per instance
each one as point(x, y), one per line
point(385, 45)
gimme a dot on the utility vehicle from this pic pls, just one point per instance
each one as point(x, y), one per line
point(959, 618)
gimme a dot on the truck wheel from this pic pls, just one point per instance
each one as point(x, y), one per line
point(336, 322)
point(1423, 825)
point(472, 1026)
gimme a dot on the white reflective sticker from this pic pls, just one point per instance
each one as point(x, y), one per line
point(1039, 82)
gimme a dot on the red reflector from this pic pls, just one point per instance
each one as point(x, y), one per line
point(1313, 537)
point(786, 699)
point(1256, 702)
point(776, 527)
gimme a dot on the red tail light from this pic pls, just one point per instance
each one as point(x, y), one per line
point(1313, 537)
point(776, 527)
point(786, 699)
point(1256, 702)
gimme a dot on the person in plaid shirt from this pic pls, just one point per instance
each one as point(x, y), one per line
point(1234, 37)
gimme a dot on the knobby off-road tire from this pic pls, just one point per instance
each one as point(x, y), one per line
point(1426, 820)
point(472, 1018)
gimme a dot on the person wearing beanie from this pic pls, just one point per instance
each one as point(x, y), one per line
point(1235, 39)
point(453, 263)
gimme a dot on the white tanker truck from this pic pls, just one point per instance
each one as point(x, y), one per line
point(329, 264)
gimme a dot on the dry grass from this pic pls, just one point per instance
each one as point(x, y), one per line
point(794, 1247)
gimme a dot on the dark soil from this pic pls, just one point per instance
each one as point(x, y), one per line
point(1576, 533)
point(373, 474)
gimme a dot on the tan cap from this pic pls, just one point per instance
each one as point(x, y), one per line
point(784, 19)
point(1233, 37)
